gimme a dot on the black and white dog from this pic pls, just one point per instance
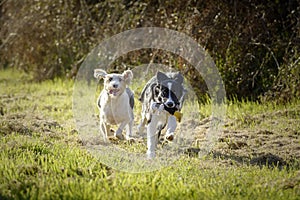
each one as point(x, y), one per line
point(162, 99)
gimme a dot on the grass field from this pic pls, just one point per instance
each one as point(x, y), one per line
point(256, 157)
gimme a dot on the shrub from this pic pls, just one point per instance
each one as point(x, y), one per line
point(255, 44)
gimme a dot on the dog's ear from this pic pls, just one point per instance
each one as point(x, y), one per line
point(178, 77)
point(160, 76)
point(128, 75)
point(99, 73)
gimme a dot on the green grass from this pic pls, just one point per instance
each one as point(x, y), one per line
point(42, 157)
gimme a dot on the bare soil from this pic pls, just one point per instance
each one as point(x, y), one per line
point(270, 139)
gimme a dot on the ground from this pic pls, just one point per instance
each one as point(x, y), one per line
point(257, 154)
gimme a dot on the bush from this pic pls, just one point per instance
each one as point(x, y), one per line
point(255, 44)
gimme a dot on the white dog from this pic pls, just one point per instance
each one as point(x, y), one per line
point(115, 103)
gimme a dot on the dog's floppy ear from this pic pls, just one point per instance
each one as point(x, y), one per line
point(160, 76)
point(179, 78)
point(128, 75)
point(99, 73)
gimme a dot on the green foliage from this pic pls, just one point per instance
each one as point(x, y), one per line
point(255, 44)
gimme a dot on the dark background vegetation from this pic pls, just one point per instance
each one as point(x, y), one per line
point(255, 44)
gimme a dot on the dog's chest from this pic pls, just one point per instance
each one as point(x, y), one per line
point(115, 110)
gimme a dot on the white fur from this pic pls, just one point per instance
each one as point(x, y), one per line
point(159, 117)
point(113, 103)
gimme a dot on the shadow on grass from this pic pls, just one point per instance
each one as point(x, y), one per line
point(264, 160)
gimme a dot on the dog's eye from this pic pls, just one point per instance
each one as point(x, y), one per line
point(156, 90)
point(110, 79)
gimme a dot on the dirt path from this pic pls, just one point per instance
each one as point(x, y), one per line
point(269, 139)
point(266, 139)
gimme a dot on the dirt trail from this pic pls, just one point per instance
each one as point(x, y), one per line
point(27, 124)
point(271, 139)
point(274, 139)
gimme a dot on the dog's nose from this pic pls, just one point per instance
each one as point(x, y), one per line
point(170, 104)
point(115, 85)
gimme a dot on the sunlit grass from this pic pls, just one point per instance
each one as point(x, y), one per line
point(41, 155)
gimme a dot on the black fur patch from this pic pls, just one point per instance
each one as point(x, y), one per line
point(157, 90)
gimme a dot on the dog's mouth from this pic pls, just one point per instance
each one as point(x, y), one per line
point(114, 92)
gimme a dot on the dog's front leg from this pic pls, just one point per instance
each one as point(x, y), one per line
point(152, 137)
point(118, 133)
point(172, 124)
point(129, 130)
point(141, 126)
point(105, 130)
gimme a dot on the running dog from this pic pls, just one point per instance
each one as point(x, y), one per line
point(115, 103)
point(162, 99)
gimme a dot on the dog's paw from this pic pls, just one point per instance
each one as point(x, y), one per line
point(156, 107)
point(119, 136)
point(169, 137)
point(161, 108)
point(130, 140)
point(113, 140)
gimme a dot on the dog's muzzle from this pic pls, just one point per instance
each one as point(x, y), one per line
point(113, 92)
point(169, 104)
point(113, 89)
